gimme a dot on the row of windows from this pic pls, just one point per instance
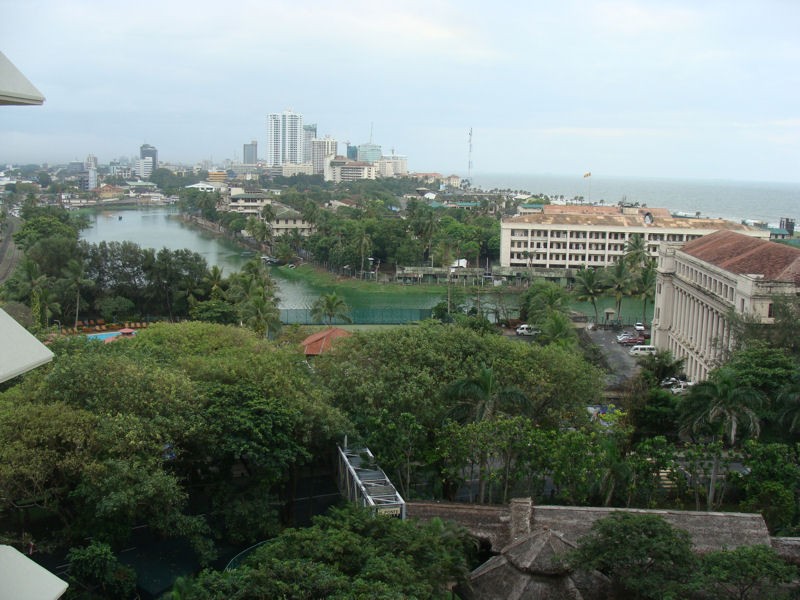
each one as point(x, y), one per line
point(601, 235)
point(706, 281)
point(573, 246)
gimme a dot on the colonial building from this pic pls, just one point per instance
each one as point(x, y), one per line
point(703, 281)
point(571, 237)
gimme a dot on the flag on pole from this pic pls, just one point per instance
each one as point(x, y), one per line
point(589, 174)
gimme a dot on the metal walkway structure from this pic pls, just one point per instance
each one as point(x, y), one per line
point(362, 481)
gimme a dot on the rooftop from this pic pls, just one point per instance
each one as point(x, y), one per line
point(656, 221)
point(745, 255)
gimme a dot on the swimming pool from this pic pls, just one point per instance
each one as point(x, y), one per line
point(102, 336)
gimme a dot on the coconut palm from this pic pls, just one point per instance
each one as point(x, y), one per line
point(260, 314)
point(722, 405)
point(618, 281)
point(645, 285)
point(214, 280)
point(481, 398)
point(75, 278)
point(329, 307)
point(589, 287)
point(636, 254)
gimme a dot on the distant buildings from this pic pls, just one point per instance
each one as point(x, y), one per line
point(285, 137)
point(368, 153)
point(148, 151)
point(571, 237)
point(343, 169)
point(309, 133)
point(322, 152)
point(701, 282)
point(250, 153)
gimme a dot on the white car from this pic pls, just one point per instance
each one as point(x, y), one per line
point(639, 326)
point(526, 330)
point(681, 387)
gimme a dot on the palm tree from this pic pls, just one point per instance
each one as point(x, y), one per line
point(618, 280)
point(329, 307)
point(588, 288)
point(260, 314)
point(480, 398)
point(723, 406)
point(74, 274)
point(557, 328)
point(645, 285)
point(724, 403)
point(636, 254)
point(214, 280)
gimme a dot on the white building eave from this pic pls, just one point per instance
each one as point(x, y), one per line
point(15, 89)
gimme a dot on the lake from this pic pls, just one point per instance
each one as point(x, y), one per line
point(161, 227)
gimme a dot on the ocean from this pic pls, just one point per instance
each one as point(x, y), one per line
point(734, 200)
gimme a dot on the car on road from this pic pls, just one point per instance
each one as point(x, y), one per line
point(526, 329)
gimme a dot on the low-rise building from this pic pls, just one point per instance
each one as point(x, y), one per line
point(703, 281)
point(573, 236)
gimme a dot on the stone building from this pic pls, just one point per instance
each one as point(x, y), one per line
point(701, 282)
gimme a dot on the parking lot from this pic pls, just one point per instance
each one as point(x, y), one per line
point(621, 365)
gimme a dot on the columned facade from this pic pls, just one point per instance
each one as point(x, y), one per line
point(699, 285)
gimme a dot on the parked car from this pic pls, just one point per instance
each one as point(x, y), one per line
point(624, 339)
point(526, 329)
point(626, 334)
point(634, 341)
point(642, 350)
point(639, 326)
point(681, 387)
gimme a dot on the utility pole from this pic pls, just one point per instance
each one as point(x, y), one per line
point(469, 163)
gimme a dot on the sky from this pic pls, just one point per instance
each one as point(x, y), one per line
point(660, 88)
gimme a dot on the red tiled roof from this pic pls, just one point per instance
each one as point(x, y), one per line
point(319, 342)
point(746, 255)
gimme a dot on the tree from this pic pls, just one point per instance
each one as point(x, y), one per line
point(75, 278)
point(619, 283)
point(97, 570)
point(644, 556)
point(329, 307)
point(588, 288)
point(636, 254)
point(746, 572)
point(645, 286)
point(482, 398)
point(722, 404)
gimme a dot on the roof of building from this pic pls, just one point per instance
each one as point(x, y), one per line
point(23, 579)
point(626, 220)
point(250, 196)
point(20, 351)
point(320, 342)
point(15, 89)
point(604, 209)
point(745, 255)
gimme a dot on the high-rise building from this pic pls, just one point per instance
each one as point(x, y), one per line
point(369, 152)
point(309, 133)
point(148, 151)
point(284, 138)
point(90, 162)
point(144, 167)
point(322, 150)
point(250, 153)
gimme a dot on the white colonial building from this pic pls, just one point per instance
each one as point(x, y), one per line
point(571, 237)
point(703, 281)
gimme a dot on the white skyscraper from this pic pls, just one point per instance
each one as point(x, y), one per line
point(321, 151)
point(284, 138)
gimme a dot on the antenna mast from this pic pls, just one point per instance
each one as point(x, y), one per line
point(469, 164)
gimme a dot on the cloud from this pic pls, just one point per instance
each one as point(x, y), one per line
point(626, 17)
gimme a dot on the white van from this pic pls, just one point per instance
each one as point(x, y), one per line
point(642, 350)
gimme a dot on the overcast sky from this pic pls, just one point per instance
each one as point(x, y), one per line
point(695, 89)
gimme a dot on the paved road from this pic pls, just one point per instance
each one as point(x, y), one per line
point(621, 364)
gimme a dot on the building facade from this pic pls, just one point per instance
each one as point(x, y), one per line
point(250, 153)
point(369, 153)
point(342, 169)
point(284, 138)
point(148, 151)
point(322, 151)
point(309, 133)
point(571, 237)
point(701, 282)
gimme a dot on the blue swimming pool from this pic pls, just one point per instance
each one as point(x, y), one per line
point(102, 336)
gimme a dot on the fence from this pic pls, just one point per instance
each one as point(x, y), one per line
point(360, 316)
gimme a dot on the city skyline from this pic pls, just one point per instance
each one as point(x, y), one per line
point(619, 88)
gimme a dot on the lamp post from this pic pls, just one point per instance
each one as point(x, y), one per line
point(59, 324)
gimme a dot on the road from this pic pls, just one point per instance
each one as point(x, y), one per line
point(9, 253)
point(622, 366)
